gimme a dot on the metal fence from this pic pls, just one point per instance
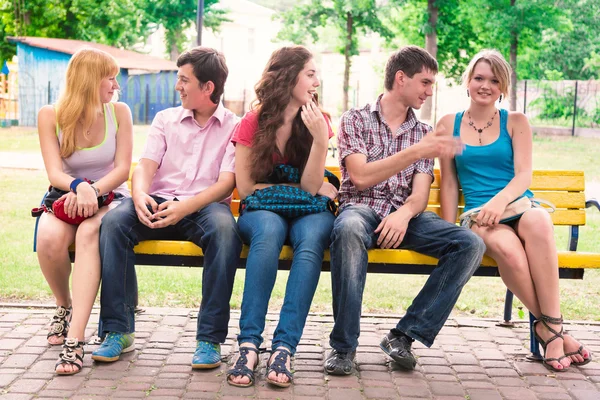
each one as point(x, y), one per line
point(562, 104)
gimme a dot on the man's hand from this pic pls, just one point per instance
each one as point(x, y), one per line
point(170, 213)
point(145, 207)
point(392, 229)
point(327, 189)
point(439, 144)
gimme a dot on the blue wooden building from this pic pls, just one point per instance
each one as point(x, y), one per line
point(147, 83)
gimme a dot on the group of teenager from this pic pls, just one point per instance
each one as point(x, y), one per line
point(197, 153)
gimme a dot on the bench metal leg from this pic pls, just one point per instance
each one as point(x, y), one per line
point(533, 342)
point(508, 310)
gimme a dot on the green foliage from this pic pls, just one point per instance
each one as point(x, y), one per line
point(112, 22)
point(303, 21)
point(592, 65)
point(178, 15)
point(567, 50)
point(456, 40)
point(120, 23)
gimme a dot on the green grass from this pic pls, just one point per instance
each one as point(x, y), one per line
point(21, 278)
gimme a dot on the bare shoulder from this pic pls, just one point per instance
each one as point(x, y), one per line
point(517, 118)
point(122, 108)
point(47, 113)
point(445, 125)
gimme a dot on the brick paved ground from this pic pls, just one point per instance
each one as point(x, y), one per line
point(471, 359)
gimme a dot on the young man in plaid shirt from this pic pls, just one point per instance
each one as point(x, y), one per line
point(386, 158)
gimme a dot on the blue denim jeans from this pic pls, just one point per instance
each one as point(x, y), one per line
point(266, 233)
point(459, 252)
point(213, 229)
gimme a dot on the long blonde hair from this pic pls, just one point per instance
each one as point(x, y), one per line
point(80, 100)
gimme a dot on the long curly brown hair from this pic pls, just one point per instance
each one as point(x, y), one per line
point(273, 94)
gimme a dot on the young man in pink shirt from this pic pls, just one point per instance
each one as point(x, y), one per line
point(181, 189)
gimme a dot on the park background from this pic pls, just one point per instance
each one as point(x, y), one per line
point(552, 46)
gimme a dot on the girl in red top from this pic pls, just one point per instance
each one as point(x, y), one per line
point(284, 127)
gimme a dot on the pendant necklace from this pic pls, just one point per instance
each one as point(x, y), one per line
point(480, 130)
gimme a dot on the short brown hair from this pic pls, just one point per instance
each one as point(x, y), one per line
point(208, 65)
point(411, 60)
point(500, 67)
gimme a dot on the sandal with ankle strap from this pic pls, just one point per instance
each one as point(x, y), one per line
point(545, 320)
point(69, 356)
point(278, 366)
point(241, 369)
point(59, 326)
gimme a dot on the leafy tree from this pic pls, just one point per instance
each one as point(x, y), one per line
point(349, 18)
point(566, 50)
point(178, 15)
point(112, 22)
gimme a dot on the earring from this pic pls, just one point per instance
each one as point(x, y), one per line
point(468, 94)
point(500, 99)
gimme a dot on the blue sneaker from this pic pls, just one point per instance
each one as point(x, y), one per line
point(207, 355)
point(114, 344)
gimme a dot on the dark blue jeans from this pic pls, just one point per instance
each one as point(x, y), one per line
point(213, 229)
point(459, 252)
point(266, 232)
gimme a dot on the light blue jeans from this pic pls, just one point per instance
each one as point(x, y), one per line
point(266, 233)
point(459, 252)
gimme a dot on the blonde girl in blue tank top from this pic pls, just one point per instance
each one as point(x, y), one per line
point(494, 169)
point(84, 135)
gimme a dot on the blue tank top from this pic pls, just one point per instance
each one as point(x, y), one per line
point(483, 171)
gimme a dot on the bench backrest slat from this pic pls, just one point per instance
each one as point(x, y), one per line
point(564, 189)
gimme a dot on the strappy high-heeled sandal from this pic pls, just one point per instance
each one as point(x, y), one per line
point(545, 320)
point(278, 366)
point(59, 326)
point(241, 369)
point(70, 356)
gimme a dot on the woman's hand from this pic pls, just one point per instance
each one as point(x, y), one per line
point(70, 203)
point(491, 212)
point(315, 122)
point(327, 189)
point(87, 202)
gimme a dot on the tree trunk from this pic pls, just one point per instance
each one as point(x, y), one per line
point(172, 41)
point(431, 47)
point(514, 42)
point(347, 60)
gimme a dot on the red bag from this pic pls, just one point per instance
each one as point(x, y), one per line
point(52, 204)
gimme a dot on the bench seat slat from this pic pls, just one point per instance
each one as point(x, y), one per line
point(567, 259)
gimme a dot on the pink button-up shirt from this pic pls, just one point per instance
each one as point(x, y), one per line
point(190, 157)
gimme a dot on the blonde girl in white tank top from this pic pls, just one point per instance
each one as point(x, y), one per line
point(84, 135)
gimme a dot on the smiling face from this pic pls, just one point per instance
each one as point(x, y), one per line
point(415, 90)
point(108, 86)
point(307, 84)
point(484, 86)
point(193, 95)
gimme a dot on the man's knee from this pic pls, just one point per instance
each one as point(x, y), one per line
point(351, 227)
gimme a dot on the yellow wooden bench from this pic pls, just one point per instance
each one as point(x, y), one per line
point(565, 189)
